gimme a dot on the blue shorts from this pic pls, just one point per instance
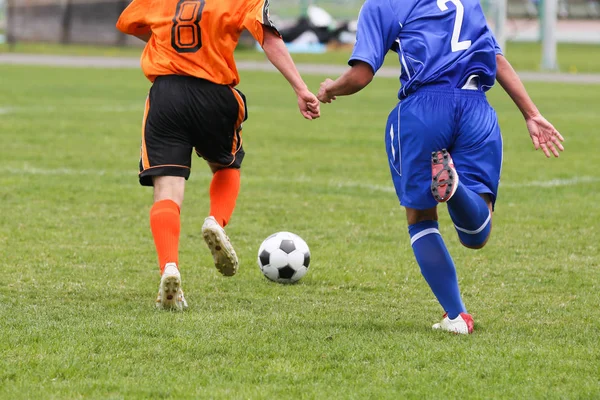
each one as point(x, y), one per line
point(431, 119)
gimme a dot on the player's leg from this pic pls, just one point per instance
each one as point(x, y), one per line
point(165, 164)
point(224, 190)
point(434, 260)
point(220, 144)
point(470, 211)
point(437, 267)
point(165, 224)
point(164, 218)
point(477, 161)
point(414, 129)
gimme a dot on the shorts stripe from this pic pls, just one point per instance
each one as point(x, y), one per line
point(399, 141)
point(237, 137)
point(165, 166)
point(144, 155)
point(242, 109)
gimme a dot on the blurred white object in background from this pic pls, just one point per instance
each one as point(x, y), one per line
point(306, 38)
point(319, 17)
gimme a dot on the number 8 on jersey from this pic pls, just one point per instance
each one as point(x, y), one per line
point(186, 36)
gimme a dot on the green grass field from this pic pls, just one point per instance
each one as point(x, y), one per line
point(80, 276)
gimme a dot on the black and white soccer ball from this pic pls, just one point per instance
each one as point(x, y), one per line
point(284, 257)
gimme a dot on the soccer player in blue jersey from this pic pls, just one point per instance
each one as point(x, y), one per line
point(449, 58)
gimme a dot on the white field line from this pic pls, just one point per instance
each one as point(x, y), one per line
point(579, 180)
point(30, 170)
point(304, 68)
point(5, 110)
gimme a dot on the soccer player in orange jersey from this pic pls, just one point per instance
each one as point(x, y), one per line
point(193, 105)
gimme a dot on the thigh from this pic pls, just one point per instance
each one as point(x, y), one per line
point(217, 136)
point(477, 151)
point(166, 146)
point(418, 126)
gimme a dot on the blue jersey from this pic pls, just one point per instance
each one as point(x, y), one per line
point(439, 42)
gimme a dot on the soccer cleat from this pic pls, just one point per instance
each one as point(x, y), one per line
point(170, 295)
point(444, 179)
point(463, 324)
point(222, 251)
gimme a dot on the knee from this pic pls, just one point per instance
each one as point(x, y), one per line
point(477, 246)
point(415, 216)
point(169, 188)
point(475, 241)
point(214, 168)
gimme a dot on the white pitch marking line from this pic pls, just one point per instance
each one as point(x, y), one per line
point(51, 109)
point(304, 68)
point(31, 170)
point(553, 182)
point(28, 170)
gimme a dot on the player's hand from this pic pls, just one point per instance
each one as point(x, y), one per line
point(324, 92)
point(309, 105)
point(544, 135)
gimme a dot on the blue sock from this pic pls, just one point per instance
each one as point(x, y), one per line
point(471, 216)
point(436, 265)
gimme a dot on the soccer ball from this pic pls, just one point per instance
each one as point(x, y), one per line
point(284, 257)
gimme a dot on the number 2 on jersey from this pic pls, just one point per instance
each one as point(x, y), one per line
point(460, 13)
point(186, 36)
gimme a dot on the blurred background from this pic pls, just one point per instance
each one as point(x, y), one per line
point(308, 26)
point(92, 21)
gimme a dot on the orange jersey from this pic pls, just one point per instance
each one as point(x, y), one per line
point(194, 37)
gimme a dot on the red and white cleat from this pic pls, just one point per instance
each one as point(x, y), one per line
point(444, 179)
point(463, 324)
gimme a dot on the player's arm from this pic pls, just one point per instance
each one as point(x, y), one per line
point(352, 81)
point(256, 21)
point(543, 134)
point(510, 81)
point(376, 33)
point(278, 55)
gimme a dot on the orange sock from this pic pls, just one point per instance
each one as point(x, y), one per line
point(166, 225)
point(224, 190)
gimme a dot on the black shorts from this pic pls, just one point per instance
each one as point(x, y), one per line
point(184, 113)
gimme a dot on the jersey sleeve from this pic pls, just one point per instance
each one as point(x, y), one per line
point(133, 19)
point(378, 28)
point(256, 18)
point(497, 47)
